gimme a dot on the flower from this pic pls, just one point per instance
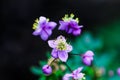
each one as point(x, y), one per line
point(60, 48)
point(110, 73)
point(43, 27)
point(118, 71)
point(75, 75)
point(87, 57)
point(70, 25)
point(47, 69)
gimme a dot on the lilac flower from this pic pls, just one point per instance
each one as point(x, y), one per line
point(87, 57)
point(75, 75)
point(60, 48)
point(118, 71)
point(47, 69)
point(70, 25)
point(43, 28)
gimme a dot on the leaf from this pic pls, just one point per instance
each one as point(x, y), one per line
point(36, 70)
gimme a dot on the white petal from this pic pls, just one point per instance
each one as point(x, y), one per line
point(42, 20)
point(61, 38)
point(69, 48)
point(52, 43)
point(89, 53)
point(80, 75)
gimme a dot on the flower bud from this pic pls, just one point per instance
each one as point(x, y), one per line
point(87, 58)
point(47, 69)
point(118, 71)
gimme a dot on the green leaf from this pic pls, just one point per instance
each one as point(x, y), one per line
point(36, 70)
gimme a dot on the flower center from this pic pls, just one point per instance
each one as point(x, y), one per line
point(71, 17)
point(61, 46)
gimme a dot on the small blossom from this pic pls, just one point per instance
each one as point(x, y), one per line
point(87, 58)
point(118, 71)
point(100, 71)
point(74, 75)
point(70, 25)
point(110, 73)
point(60, 48)
point(43, 28)
point(47, 69)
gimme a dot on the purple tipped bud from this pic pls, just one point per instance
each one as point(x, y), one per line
point(118, 71)
point(87, 58)
point(47, 69)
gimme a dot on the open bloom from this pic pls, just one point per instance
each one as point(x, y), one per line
point(43, 27)
point(70, 25)
point(47, 69)
point(74, 75)
point(87, 58)
point(60, 48)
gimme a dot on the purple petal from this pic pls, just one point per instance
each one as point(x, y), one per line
point(74, 24)
point(54, 53)
point(42, 20)
point(87, 61)
point(69, 48)
point(44, 35)
point(63, 55)
point(67, 76)
point(48, 31)
point(77, 70)
point(52, 43)
point(37, 32)
point(63, 25)
point(70, 30)
point(89, 53)
point(80, 26)
point(76, 32)
point(51, 25)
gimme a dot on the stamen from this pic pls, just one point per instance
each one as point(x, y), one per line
point(35, 24)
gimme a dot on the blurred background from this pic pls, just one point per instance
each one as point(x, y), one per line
point(19, 49)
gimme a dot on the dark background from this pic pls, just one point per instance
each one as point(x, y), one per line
point(19, 49)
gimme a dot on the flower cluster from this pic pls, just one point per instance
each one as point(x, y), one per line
point(60, 48)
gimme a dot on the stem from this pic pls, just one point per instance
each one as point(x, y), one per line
point(68, 67)
point(75, 54)
point(51, 60)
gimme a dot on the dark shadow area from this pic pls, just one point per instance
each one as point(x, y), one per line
point(19, 49)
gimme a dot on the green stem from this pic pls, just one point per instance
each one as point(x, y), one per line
point(75, 54)
point(68, 66)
